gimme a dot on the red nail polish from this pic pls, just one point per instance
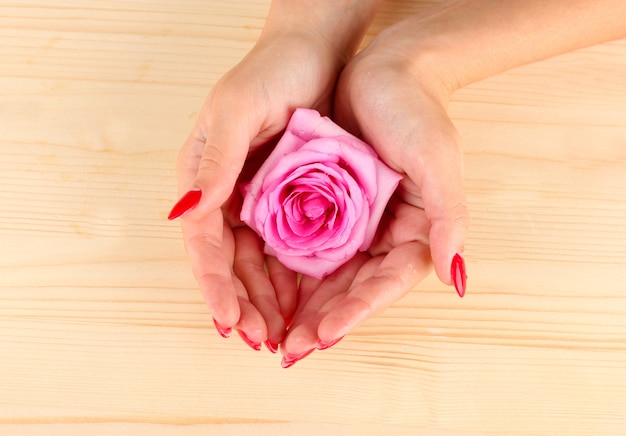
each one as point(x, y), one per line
point(290, 359)
point(324, 345)
point(271, 346)
point(288, 320)
point(254, 345)
point(224, 332)
point(185, 204)
point(459, 277)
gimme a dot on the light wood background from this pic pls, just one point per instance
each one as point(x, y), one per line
point(102, 328)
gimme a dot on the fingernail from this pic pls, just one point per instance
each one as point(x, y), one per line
point(271, 346)
point(288, 320)
point(254, 345)
point(290, 359)
point(459, 277)
point(324, 345)
point(185, 204)
point(224, 332)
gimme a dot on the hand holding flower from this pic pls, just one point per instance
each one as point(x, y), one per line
point(404, 118)
point(394, 94)
point(294, 63)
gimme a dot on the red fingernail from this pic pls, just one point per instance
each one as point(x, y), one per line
point(290, 359)
point(324, 345)
point(271, 346)
point(288, 320)
point(254, 345)
point(224, 332)
point(185, 204)
point(459, 277)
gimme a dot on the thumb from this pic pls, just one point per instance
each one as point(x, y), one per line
point(212, 158)
point(446, 208)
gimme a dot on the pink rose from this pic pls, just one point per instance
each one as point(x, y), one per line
point(319, 196)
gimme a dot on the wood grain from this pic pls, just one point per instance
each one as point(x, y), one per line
point(102, 328)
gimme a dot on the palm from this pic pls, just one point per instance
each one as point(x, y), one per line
point(397, 260)
point(241, 117)
point(412, 133)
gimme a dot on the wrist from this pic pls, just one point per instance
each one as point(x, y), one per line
point(338, 24)
point(456, 43)
point(409, 53)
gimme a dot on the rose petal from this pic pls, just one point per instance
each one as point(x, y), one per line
point(387, 181)
point(306, 211)
point(295, 165)
point(349, 203)
point(358, 163)
point(329, 241)
point(311, 266)
point(308, 124)
point(352, 245)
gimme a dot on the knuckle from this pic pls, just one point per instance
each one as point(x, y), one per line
point(360, 302)
point(199, 243)
point(457, 214)
point(212, 157)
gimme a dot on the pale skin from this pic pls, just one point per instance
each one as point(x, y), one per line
point(394, 94)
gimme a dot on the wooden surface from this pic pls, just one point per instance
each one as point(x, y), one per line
point(102, 328)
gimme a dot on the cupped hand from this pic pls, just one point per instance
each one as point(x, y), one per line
point(240, 119)
point(395, 106)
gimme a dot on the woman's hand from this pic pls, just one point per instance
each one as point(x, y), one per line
point(402, 114)
point(294, 64)
point(394, 94)
point(241, 116)
point(401, 110)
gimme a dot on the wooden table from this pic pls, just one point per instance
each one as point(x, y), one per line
point(103, 330)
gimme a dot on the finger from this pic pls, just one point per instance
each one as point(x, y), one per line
point(188, 160)
point(307, 287)
point(285, 283)
point(210, 248)
point(301, 340)
point(403, 222)
point(251, 326)
point(302, 336)
point(397, 273)
point(226, 136)
point(249, 267)
point(444, 203)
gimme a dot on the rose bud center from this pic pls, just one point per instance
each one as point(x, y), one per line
point(314, 205)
